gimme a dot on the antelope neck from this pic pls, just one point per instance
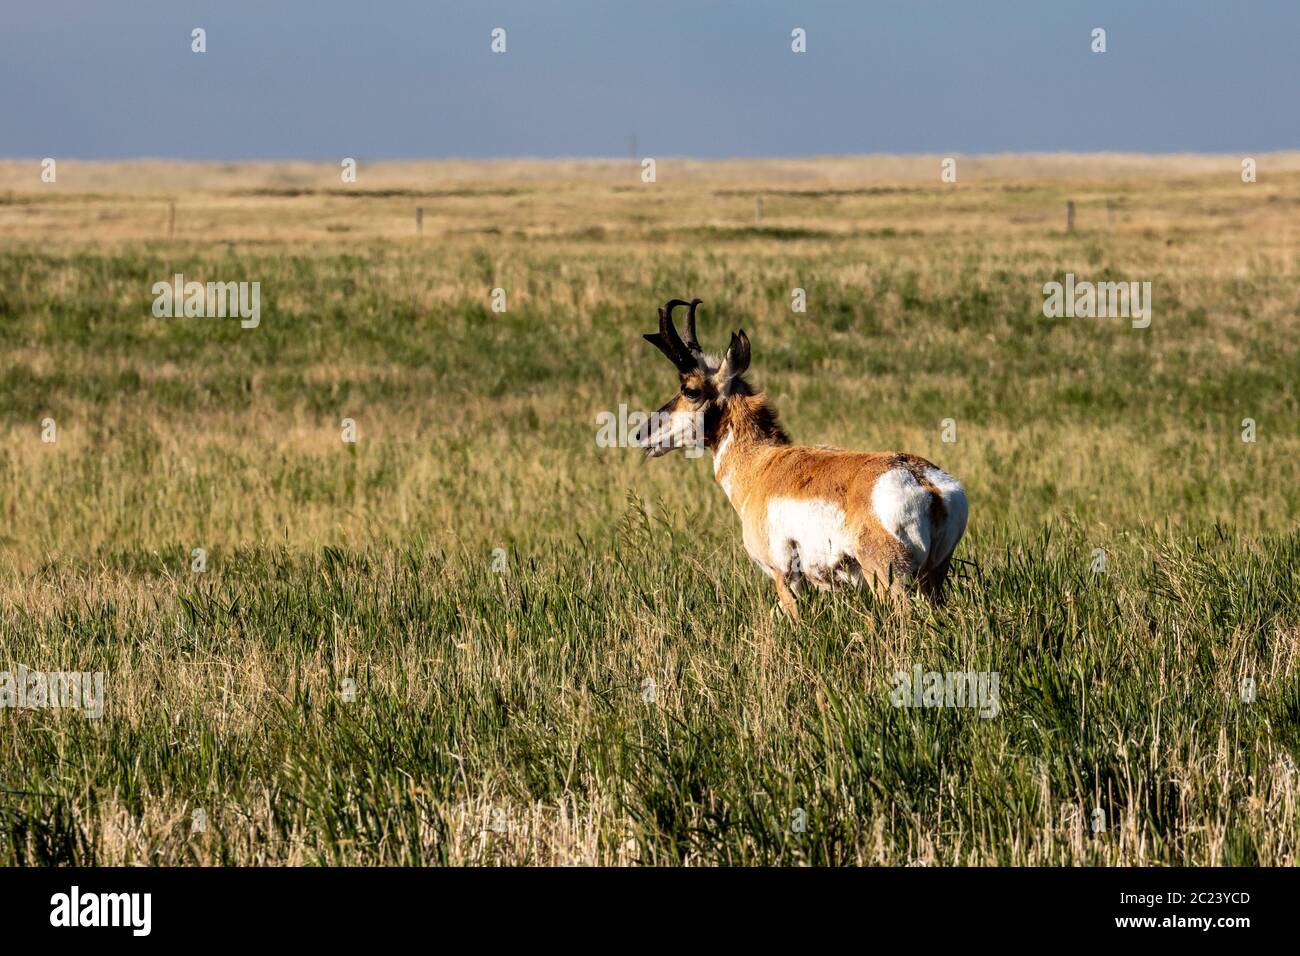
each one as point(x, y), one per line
point(746, 422)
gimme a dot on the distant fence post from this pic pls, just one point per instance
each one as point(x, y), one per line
point(171, 220)
point(758, 209)
point(1069, 215)
point(419, 220)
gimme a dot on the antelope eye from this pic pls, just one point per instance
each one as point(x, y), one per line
point(692, 393)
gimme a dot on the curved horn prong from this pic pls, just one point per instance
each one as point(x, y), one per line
point(688, 329)
point(667, 327)
point(668, 341)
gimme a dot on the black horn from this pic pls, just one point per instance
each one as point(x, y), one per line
point(688, 330)
point(670, 343)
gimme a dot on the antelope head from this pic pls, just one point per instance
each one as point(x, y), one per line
point(690, 418)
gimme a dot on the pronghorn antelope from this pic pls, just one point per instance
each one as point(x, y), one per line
point(823, 515)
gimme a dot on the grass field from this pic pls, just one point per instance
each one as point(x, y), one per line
point(500, 710)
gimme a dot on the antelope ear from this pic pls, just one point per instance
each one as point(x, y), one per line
point(736, 361)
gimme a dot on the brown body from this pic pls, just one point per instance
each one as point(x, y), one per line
point(842, 538)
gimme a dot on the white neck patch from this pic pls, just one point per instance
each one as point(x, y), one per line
point(718, 454)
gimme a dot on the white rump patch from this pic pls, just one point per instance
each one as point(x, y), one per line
point(903, 509)
point(813, 531)
point(954, 501)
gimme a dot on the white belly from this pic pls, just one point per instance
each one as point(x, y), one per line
point(810, 537)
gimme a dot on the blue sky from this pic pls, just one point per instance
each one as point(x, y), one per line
point(106, 79)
